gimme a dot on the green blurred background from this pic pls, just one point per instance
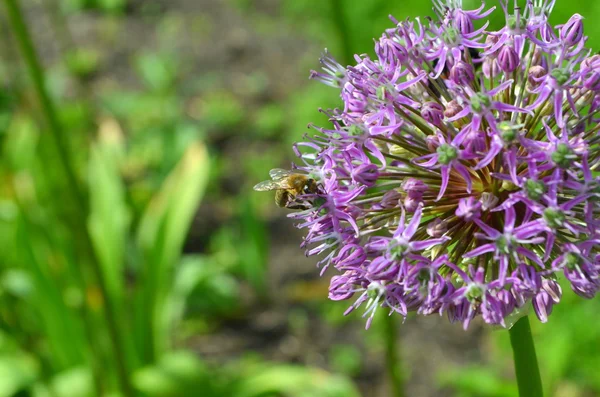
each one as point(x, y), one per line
point(137, 260)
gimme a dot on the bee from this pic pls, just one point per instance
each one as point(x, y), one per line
point(287, 186)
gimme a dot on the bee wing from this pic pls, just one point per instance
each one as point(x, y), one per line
point(279, 173)
point(267, 185)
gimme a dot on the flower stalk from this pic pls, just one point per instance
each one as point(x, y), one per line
point(527, 372)
point(393, 361)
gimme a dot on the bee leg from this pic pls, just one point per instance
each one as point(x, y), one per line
point(297, 205)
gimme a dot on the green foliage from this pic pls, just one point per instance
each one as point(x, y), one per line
point(563, 348)
point(153, 132)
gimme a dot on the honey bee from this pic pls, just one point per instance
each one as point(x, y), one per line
point(287, 186)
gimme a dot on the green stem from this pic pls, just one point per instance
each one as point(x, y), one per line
point(58, 134)
point(392, 356)
point(526, 365)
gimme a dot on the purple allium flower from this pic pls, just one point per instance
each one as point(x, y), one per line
point(459, 176)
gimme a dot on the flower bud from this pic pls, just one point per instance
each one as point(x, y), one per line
point(452, 109)
point(490, 41)
point(553, 289)
point(488, 201)
point(391, 199)
point(433, 112)
point(592, 82)
point(338, 286)
point(437, 228)
point(490, 67)
point(535, 75)
point(537, 59)
point(366, 174)
point(432, 142)
point(542, 305)
point(508, 59)
point(591, 62)
point(572, 32)
point(462, 73)
point(414, 187)
point(351, 255)
point(412, 203)
point(468, 209)
point(463, 22)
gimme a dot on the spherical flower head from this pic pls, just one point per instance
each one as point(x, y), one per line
point(458, 175)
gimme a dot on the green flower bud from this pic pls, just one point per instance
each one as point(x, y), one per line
point(504, 244)
point(535, 189)
point(563, 156)
point(517, 24)
point(509, 131)
point(446, 153)
point(397, 250)
point(554, 217)
point(480, 101)
point(474, 293)
point(560, 75)
point(355, 130)
point(572, 260)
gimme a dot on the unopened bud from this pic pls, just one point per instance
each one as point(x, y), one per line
point(535, 75)
point(508, 59)
point(437, 228)
point(462, 73)
point(433, 112)
point(452, 109)
point(572, 32)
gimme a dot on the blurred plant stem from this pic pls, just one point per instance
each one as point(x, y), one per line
point(58, 134)
point(392, 356)
point(67, 45)
point(526, 365)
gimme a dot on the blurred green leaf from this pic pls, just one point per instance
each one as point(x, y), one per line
point(477, 382)
point(345, 359)
point(109, 217)
point(17, 282)
point(83, 62)
point(76, 382)
point(294, 381)
point(270, 119)
point(20, 143)
point(254, 248)
point(17, 373)
point(178, 374)
point(205, 287)
point(221, 110)
point(162, 232)
point(158, 72)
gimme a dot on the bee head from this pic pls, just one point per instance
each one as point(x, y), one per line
point(310, 186)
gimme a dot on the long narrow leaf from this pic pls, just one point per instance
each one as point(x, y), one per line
point(162, 233)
